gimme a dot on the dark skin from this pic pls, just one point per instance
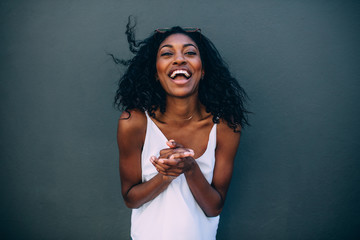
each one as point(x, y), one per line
point(188, 125)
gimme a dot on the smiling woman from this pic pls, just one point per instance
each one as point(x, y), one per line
point(179, 59)
point(178, 134)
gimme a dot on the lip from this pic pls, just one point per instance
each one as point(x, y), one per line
point(180, 80)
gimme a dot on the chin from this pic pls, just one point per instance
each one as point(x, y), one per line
point(182, 93)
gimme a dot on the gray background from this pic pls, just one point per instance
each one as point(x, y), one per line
point(297, 170)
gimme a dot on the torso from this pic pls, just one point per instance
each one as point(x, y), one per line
point(178, 215)
point(136, 168)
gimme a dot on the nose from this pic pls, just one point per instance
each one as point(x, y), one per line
point(179, 59)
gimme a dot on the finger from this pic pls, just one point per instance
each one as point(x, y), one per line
point(184, 150)
point(169, 152)
point(158, 165)
point(162, 160)
point(163, 165)
point(165, 151)
point(173, 162)
point(168, 161)
point(182, 155)
point(152, 159)
point(154, 163)
point(172, 144)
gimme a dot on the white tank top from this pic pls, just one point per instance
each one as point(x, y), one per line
point(174, 213)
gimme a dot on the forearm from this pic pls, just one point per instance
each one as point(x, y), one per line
point(141, 193)
point(208, 198)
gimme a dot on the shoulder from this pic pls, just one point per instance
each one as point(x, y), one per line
point(226, 135)
point(132, 124)
point(133, 119)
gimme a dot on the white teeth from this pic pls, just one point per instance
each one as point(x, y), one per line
point(176, 72)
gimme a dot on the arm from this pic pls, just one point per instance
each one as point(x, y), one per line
point(209, 197)
point(130, 137)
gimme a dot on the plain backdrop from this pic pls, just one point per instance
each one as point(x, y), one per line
point(297, 171)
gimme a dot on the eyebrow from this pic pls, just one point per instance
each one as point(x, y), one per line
point(185, 45)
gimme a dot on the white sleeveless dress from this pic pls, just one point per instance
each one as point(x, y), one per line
point(174, 213)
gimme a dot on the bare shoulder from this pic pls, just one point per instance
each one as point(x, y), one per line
point(132, 125)
point(132, 120)
point(226, 135)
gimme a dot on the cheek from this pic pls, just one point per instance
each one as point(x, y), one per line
point(198, 63)
point(199, 68)
point(160, 68)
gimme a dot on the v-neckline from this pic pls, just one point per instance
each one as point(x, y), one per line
point(159, 130)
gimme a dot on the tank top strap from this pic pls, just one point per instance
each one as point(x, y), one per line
point(212, 137)
point(152, 128)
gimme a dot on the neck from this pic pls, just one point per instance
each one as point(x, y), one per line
point(182, 109)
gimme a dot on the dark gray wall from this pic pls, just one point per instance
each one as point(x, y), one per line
point(297, 170)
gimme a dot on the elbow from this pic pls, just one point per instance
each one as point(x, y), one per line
point(131, 204)
point(213, 212)
point(215, 208)
point(130, 200)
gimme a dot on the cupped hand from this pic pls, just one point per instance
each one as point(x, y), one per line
point(174, 160)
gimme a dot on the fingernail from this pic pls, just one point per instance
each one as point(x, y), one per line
point(161, 160)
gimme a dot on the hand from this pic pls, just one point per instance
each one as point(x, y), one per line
point(173, 161)
point(165, 153)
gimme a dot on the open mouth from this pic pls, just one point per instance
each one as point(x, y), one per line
point(180, 72)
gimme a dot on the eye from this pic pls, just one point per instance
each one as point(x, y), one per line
point(166, 54)
point(190, 53)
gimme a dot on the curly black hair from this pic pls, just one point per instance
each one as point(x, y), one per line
point(219, 92)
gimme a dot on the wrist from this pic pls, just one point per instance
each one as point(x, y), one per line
point(190, 166)
point(167, 179)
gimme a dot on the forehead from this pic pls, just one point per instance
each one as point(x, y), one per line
point(177, 39)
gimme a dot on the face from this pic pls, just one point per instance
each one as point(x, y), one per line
point(178, 65)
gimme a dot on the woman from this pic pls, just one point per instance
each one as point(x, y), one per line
point(178, 134)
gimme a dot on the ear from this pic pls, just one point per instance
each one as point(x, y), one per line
point(156, 77)
point(202, 74)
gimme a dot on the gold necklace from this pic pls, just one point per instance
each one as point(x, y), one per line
point(189, 118)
